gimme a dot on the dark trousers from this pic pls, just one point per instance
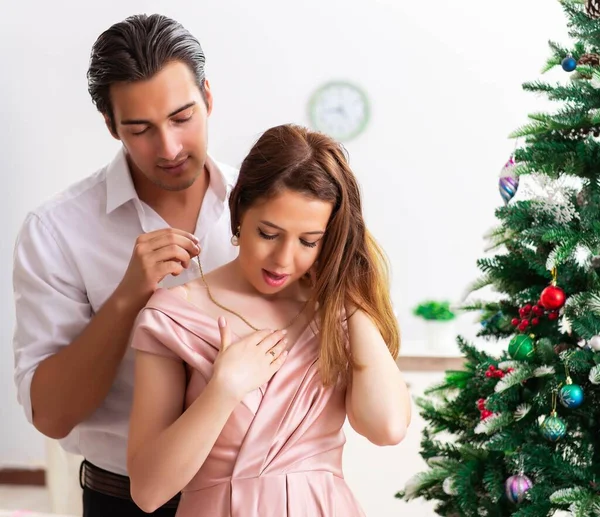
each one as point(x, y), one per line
point(106, 494)
point(96, 504)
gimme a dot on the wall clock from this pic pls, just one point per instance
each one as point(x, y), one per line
point(339, 109)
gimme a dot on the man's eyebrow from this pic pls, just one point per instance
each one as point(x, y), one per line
point(133, 122)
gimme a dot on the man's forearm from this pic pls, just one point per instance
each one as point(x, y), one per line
point(69, 386)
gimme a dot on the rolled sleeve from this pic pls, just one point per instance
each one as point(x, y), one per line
point(51, 305)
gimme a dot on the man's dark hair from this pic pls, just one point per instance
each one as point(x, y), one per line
point(135, 50)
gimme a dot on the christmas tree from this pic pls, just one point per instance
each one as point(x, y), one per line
point(519, 434)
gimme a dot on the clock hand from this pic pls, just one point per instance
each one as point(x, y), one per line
point(338, 109)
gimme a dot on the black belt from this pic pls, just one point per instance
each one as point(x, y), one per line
point(111, 484)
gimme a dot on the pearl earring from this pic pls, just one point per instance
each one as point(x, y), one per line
point(235, 239)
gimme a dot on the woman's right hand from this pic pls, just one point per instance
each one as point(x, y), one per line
point(247, 364)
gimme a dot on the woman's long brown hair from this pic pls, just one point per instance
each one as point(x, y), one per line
point(351, 266)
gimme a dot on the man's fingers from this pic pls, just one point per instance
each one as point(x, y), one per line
point(172, 252)
point(156, 241)
point(169, 267)
point(157, 234)
point(169, 240)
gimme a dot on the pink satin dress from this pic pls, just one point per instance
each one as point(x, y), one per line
point(280, 452)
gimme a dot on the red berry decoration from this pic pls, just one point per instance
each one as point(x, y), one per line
point(552, 316)
point(535, 321)
point(526, 314)
point(484, 413)
point(495, 372)
point(552, 298)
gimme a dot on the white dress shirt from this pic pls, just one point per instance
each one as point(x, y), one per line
point(70, 255)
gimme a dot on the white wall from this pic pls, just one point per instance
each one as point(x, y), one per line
point(443, 79)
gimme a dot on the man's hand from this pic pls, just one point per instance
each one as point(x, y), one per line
point(156, 255)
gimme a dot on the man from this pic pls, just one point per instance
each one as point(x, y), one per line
point(87, 261)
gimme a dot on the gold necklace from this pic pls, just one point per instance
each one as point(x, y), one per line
point(212, 299)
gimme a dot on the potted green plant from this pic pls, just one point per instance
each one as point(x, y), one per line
point(439, 323)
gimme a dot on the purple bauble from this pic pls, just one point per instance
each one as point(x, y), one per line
point(509, 181)
point(516, 486)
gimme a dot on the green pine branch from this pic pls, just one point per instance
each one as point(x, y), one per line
point(470, 454)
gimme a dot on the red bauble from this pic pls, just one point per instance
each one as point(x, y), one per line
point(552, 298)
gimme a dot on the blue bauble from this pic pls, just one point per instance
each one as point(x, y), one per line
point(553, 428)
point(571, 396)
point(569, 64)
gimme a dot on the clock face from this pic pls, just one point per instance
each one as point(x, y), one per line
point(339, 109)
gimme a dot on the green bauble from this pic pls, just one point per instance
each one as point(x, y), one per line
point(553, 428)
point(521, 347)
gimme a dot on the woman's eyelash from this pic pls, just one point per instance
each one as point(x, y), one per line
point(270, 237)
point(266, 235)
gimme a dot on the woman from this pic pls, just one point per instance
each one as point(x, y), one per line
point(245, 416)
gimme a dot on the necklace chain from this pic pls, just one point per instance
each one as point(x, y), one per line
point(231, 311)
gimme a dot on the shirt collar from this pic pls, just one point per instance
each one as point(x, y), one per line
point(218, 181)
point(120, 188)
point(119, 185)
